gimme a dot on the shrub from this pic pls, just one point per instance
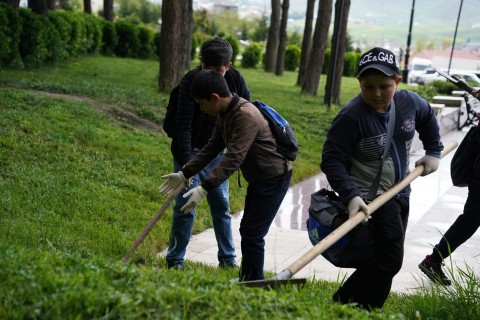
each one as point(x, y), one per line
point(33, 46)
point(127, 37)
point(145, 49)
point(444, 87)
point(77, 33)
point(64, 29)
point(4, 34)
point(109, 38)
point(156, 44)
point(235, 46)
point(326, 61)
point(93, 33)
point(350, 64)
point(292, 57)
point(251, 55)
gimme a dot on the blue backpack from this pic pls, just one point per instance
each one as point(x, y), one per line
point(287, 144)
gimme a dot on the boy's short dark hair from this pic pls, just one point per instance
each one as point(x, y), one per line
point(216, 52)
point(207, 82)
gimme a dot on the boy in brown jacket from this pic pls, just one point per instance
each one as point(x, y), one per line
point(251, 147)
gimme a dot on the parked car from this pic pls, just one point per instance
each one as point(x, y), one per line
point(417, 67)
point(431, 75)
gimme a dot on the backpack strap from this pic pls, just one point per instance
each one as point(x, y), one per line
point(391, 126)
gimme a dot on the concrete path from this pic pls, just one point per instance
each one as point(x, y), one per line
point(434, 203)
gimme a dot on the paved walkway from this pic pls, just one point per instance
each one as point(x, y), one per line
point(434, 203)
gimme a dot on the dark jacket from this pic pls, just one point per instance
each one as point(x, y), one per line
point(250, 144)
point(355, 142)
point(194, 127)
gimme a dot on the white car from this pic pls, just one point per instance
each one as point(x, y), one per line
point(417, 68)
point(430, 75)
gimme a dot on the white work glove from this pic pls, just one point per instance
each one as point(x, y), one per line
point(173, 180)
point(194, 197)
point(356, 204)
point(430, 164)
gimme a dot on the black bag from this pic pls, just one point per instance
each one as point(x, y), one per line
point(170, 119)
point(466, 158)
point(327, 213)
point(287, 144)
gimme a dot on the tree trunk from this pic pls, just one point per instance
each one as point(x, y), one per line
point(317, 54)
point(173, 49)
point(283, 39)
point(339, 44)
point(272, 41)
point(108, 10)
point(306, 42)
point(87, 6)
point(12, 3)
point(52, 4)
point(39, 7)
point(186, 32)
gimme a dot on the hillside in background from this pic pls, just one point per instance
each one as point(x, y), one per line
point(380, 22)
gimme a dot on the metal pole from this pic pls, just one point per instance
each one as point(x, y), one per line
point(454, 37)
point(407, 49)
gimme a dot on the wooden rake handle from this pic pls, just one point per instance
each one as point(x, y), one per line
point(352, 222)
point(152, 222)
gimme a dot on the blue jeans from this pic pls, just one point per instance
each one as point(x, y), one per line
point(182, 223)
point(261, 205)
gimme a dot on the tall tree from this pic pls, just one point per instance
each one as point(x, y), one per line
point(87, 6)
point(273, 34)
point(186, 32)
point(317, 53)
point(38, 6)
point(108, 10)
point(339, 45)
point(177, 20)
point(282, 43)
point(306, 42)
point(12, 3)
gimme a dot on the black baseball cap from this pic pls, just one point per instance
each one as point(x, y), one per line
point(380, 59)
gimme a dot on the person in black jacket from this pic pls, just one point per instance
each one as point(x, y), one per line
point(193, 130)
point(460, 231)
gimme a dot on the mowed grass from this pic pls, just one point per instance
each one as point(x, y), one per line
point(81, 155)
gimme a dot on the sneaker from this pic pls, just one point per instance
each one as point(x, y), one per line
point(225, 265)
point(434, 271)
point(177, 266)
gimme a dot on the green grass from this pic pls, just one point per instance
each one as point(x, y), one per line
point(81, 155)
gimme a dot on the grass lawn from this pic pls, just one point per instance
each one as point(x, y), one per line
point(81, 155)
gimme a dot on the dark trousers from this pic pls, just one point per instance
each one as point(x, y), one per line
point(463, 228)
point(369, 286)
point(261, 205)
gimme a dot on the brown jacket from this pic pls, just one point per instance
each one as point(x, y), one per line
point(250, 144)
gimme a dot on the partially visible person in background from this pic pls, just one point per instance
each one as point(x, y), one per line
point(192, 131)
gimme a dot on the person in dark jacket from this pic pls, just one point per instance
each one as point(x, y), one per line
point(193, 130)
point(460, 231)
point(352, 155)
point(251, 147)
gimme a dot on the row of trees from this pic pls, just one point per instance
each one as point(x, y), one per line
point(42, 7)
point(177, 32)
point(179, 26)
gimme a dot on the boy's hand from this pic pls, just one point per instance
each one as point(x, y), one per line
point(194, 197)
point(430, 164)
point(173, 180)
point(356, 204)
